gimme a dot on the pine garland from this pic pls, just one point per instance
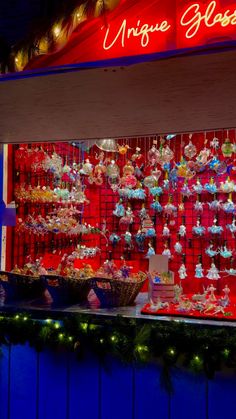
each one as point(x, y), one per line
point(199, 348)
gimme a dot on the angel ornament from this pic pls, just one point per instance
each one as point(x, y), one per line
point(150, 251)
point(182, 271)
point(199, 271)
point(213, 272)
point(166, 231)
point(167, 252)
point(182, 230)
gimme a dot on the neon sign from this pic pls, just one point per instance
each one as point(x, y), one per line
point(193, 18)
point(192, 22)
point(138, 27)
point(140, 31)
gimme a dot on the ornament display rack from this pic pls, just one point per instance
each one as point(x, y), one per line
point(38, 245)
point(103, 200)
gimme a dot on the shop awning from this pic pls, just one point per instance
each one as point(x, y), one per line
point(175, 95)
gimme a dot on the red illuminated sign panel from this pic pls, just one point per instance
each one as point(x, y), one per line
point(195, 24)
point(138, 27)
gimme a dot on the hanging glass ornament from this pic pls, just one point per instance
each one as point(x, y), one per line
point(215, 143)
point(203, 156)
point(190, 150)
point(227, 148)
point(108, 145)
point(128, 238)
point(128, 169)
point(210, 251)
point(143, 213)
point(156, 191)
point(225, 252)
point(153, 156)
point(198, 188)
point(128, 218)
point(198, 229)
point(215, 229)
point(113, 173)
point(137, 155)
point(232, 227)
point(87, 168)
point(215, 205)
point(114, 239)
point(156, 206)
point(173, 178)
point(198, 206)
point(119, 210)
point(178, 247)
point(166, 155)
point(227, 186)
point(129, 181)
point(148, 227)
point(185, 190)
point(122, 149)
point(112, 169)
point(140, 240)
point(211, 187)
point(138, 193)
point(152, 180)
point(229, 207)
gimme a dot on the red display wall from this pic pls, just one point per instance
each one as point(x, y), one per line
point(102, 201)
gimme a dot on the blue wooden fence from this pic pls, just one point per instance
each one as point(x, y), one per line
point(57, 386)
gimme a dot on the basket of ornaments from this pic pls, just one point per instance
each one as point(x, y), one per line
point(23, 283)
point(70, 285)
point(116, 287)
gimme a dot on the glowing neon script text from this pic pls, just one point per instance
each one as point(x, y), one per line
point(142, 32)
point(193, 19)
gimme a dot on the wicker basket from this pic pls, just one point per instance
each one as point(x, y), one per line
point(19, 286)
point(116, 293)
point(66, 290)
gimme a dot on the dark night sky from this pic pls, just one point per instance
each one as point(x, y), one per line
point(16, 17)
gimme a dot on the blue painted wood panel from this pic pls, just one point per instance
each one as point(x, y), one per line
point(189, 398)
point(84, 388)
point(23, 382)
point(4, 381)
point(222, 396)
point(53, 386)
point(117, 391)
point(151, 399)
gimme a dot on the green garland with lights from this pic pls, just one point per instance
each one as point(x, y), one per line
point(195, 347)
